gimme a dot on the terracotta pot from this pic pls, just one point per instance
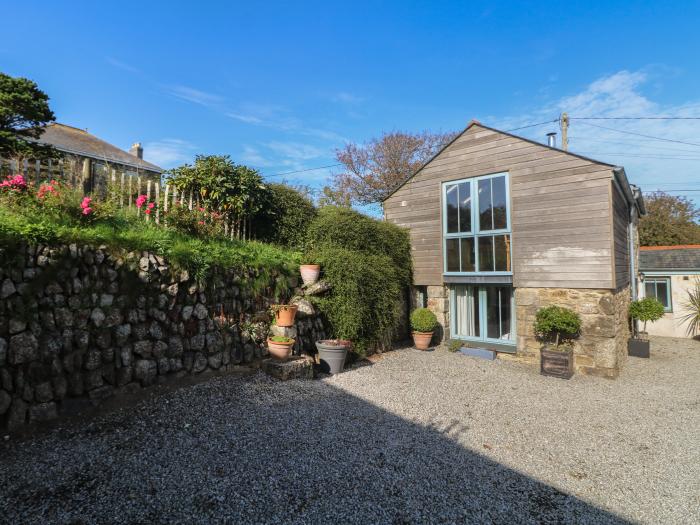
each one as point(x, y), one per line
point(309, 273)
point(285, 315)
point(280, 351)
point(421, 340)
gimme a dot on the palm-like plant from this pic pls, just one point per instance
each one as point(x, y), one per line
point(692, 306)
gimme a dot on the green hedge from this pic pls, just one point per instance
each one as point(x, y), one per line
point(368, 264)
point(285, 217)
point(345, 228)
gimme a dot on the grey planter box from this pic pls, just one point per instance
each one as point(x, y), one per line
point(638, 348)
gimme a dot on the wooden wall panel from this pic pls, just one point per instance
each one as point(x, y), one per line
point(560, 211)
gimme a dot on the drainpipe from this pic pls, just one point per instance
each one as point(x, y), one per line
point(633, 270)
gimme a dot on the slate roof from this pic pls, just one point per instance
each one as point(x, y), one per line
point(684, 257)
point(78, 141)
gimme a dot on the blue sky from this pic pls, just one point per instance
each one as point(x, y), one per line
point(279, 86)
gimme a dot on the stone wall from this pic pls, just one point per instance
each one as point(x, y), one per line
point(79, 325)
point(601, 348)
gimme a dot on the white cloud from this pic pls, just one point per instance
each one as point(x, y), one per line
point(653, 164)
point(346, 98)
point(295, 150)
point(122, 65)
point(193, 95)
point(168, 153)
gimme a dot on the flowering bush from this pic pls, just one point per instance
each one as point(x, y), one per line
point(85, 205)
point(48, 190)
point(199, 221)
point(14, 183)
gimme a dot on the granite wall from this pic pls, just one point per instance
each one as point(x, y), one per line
point(80, 324)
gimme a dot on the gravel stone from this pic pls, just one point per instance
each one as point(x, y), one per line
point(412, 437)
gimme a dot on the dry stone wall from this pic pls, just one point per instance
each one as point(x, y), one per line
point(80, 324)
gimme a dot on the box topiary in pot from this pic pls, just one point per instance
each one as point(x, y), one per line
point(423, 323)
point(645, 310)
point(554, 324)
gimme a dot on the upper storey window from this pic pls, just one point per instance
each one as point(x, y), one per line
point(477, 225)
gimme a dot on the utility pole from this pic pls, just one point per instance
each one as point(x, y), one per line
point(564, 122)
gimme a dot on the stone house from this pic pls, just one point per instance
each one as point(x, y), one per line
point(669, 273)
point(87, 161)
point(501, 226)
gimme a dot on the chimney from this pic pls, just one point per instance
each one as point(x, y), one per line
point(136, 150)
point(552, 139)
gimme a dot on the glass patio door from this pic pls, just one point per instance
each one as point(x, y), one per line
point(484, 313)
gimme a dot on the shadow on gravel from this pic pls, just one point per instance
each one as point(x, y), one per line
point(252, 451)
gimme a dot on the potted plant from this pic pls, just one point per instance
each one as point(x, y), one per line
point(423, 323)
point(552, 324)
point(692, 308)
point(280, 347)
point(284, 314)
point(332, 354)
point(309, 270)
point(647, 309)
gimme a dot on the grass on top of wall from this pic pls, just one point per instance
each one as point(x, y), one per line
point(130, 233)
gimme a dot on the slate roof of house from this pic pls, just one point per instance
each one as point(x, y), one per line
point(683, 257)
point(78, 141)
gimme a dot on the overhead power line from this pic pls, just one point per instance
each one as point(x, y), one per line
point(634, 118)
point(641, 134)
point(533, 125)
point(303, 171)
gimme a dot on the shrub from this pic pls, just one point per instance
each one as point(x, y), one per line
point(455, 345)
point(363, 304)
point(285, 216)
point(198, 222)
point(647, 309)
point(556, 322)
point(348, 229)
point(423, 320)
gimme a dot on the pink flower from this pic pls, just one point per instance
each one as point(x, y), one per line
point(140, 200)
point(87, 210)
point(147, 211)
point(14, 183)
point(151, 205)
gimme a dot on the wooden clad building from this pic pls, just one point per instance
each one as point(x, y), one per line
point(501, 225)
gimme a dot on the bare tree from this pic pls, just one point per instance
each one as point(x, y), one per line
point(372, 170)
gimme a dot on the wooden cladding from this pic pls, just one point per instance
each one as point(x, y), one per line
point(563, 230)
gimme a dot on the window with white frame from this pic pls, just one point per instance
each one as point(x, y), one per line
point(660, 289)
point(476, 220)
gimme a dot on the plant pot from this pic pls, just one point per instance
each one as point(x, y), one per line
point(284, 316)
point(309, 273)
point(557, 363)
point(332, 354)
point(421, 340)
point(280, 351)
point(638, 348)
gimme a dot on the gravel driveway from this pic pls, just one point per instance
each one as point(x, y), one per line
point(415, 437)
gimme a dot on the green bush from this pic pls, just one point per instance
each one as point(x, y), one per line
point(196, 222)
point(368, 265)
point(647, 309)
point(285, 216)
point(345, 228)
point(455, 345)
point(363, 304)
point(423, 320)
point(556, 322)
